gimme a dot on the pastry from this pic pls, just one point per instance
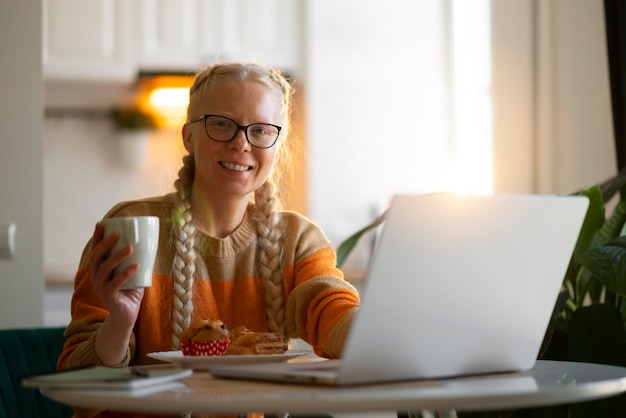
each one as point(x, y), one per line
point(244, 341)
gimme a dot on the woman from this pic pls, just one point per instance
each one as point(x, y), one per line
point(226, 251)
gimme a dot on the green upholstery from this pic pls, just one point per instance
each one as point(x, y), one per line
point(24, 352)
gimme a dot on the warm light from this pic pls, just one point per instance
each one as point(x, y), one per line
point(166, 97)
point(169, 96)
point(471, 169)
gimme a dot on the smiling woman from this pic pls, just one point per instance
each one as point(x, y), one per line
point(226, 249)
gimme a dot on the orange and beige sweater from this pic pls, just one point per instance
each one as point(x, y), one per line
point(319, 303)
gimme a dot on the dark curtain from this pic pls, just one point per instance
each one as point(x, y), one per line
point(615, 17)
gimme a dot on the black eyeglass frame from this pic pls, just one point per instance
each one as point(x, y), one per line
point(243, 128)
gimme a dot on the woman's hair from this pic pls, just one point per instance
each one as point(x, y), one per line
point(187, 244)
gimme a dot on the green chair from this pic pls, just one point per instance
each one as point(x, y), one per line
point(25, 352)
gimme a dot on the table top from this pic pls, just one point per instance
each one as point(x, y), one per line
point(547, 383)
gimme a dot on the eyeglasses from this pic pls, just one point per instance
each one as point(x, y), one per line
point(222, 129)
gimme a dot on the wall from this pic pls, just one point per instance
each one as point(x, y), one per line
point(21, 278)
point(86, 173)
point(576, 117)
point(552, 112)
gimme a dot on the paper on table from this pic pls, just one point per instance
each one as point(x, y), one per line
point(127, 378)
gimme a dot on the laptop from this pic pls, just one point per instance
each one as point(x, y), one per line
point(457, 285)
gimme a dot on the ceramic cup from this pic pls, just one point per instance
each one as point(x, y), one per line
point(142, 232)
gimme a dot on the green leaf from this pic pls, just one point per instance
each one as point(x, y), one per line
point(612, 228)
point(595, 290)
point(594, 219)
point(587, 285)
point(608, 264)
point(133, 118)
point(346, 247)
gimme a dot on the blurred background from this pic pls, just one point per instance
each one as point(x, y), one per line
point(392, 97)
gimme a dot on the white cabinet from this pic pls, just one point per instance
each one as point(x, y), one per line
point(87, 40)
point(179, 35)
point(189, 34)
point(113, 40)
point(268, 31)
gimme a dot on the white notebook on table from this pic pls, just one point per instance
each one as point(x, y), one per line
point(108, 378)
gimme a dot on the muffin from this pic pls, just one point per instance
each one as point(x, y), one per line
point(205, 337)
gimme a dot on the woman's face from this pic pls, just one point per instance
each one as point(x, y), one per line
point(235, 168)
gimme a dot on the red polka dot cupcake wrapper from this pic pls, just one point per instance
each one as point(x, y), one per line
point(204, 348)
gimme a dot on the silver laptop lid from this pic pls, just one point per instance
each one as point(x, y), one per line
point(461, 285)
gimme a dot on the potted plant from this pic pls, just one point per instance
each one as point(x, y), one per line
point(133, 118)
point(133, 126)
point(589, 320)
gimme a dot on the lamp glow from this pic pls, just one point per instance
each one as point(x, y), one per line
point(169, 96)
point(169, 105)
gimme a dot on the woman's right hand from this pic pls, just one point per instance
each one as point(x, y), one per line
point(123, 304)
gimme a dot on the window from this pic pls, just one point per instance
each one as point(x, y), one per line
point(398, 101)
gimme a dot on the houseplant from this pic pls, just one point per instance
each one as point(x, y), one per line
point(133, 118)
point(133, 126)
point(589, 319)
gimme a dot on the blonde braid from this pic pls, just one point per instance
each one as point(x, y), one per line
point(270, 252)
point(184, 263)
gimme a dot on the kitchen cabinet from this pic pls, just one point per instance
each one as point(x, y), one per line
point(189, 34)
point(179, 35)
point(113, 40)
point(268, 31)
point(87, 40)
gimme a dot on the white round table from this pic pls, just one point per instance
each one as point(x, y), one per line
point(548, 383)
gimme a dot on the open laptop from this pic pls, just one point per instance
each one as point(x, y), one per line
point(457, 285)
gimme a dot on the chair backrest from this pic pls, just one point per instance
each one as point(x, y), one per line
point(24, 352)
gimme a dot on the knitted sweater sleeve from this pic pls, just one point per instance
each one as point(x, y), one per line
point(321, 305)
point(88, 313)
point(321, 311)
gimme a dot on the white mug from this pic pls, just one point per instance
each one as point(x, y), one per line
point(142, 232)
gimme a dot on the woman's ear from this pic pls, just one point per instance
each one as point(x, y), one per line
point(187, 138)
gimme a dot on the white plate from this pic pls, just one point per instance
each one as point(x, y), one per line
point(205, 362)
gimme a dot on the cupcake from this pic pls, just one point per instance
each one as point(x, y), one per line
point(205, 337)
